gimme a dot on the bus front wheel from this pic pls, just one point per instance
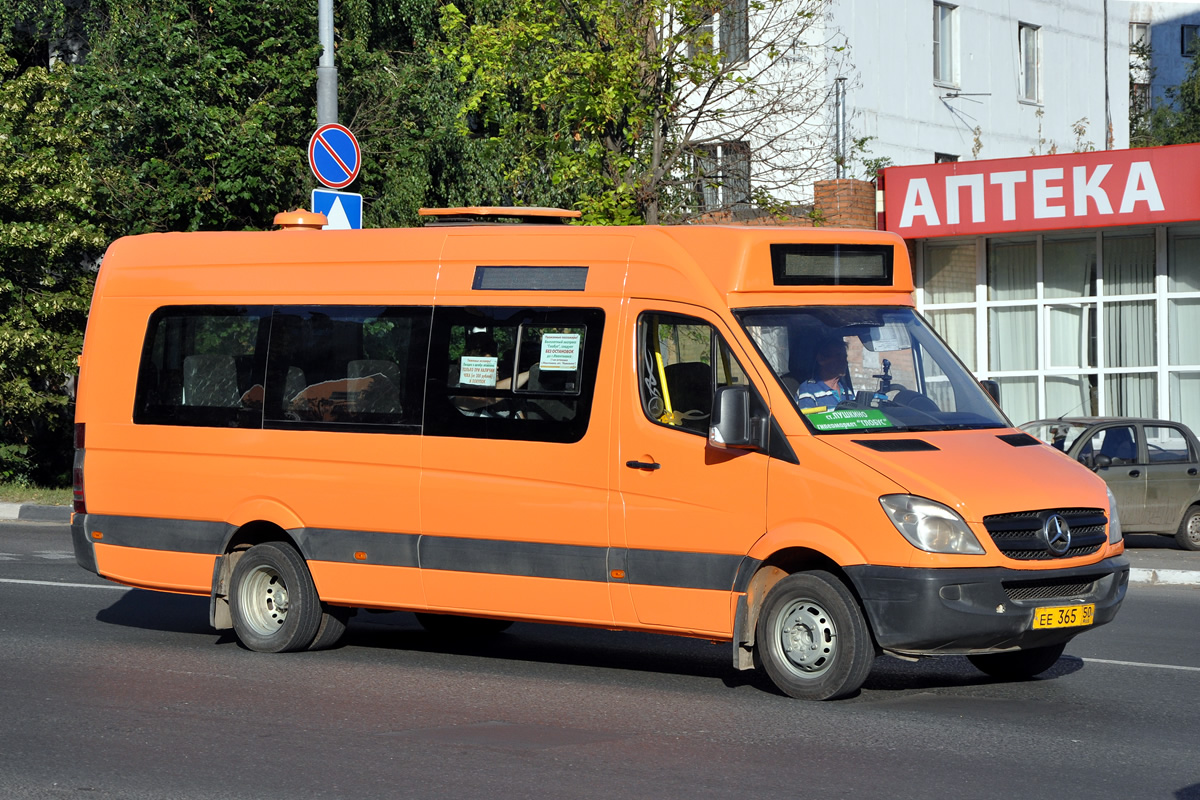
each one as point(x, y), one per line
point(812, 639)
point(273, 601)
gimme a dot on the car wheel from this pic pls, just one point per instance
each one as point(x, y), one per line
point(273, 601)
point(812, 640)
point(1019, 664)
point(1188, 534)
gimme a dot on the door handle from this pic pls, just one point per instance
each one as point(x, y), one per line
point(1192, 471)
point(1133, 473)
point(650, 465)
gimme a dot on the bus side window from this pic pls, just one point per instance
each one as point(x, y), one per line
point(513, 373)
point(347, 367)
point(203, 366)
point(683, 361)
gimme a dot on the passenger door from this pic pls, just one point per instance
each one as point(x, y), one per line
point(691, 511)
point(1171, 476)
point(514, 487)
point(1124, 474)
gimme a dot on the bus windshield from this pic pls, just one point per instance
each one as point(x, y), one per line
point(856, 369)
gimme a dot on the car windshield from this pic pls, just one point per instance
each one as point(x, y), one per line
point(868, 368)
point(1058, 433)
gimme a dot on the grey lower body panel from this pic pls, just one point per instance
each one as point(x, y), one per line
point(922, 611)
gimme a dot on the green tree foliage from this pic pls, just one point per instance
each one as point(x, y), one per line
point(621, 100)
point(1176, 121)
point(200, 111)
point(48, 246)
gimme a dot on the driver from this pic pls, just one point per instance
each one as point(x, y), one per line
point(829, 384)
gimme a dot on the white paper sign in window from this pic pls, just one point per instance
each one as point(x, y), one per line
point(478, 371)
point(560, 352)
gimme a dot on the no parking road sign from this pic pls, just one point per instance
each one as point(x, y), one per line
point(334, 156)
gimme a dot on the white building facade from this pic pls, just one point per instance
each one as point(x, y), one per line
point(944, 81)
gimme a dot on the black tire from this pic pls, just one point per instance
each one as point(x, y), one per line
point(1188, 534)
point(454, 625)
point(273, 601)
point(1018, 665)
point(332, 627)
point(812, 639)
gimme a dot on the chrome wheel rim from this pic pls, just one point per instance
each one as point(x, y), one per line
point(1193, 529)
point(807, 638)
point(263, 600)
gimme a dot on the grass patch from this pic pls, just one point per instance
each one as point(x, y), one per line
point(12, 493)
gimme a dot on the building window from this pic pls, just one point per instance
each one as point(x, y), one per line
point(1187, 39)
point(728, 31)
point(944, 44)
point(1029, 39)
point(733, 30)
point(944, 158)
point(722, 172)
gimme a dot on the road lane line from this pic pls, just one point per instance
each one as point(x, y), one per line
point(68, 585)
point(1141, 664)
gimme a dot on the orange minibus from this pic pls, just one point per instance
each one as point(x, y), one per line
point(740, 434)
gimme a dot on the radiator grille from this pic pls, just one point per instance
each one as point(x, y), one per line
point(1018, 535)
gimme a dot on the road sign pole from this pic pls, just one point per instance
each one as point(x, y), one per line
point(327, 83)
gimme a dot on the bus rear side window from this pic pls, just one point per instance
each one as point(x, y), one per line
point(203, 366)
point(347, 368)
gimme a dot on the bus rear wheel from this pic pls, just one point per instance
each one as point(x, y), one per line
point(273, 601)
point(812, 639)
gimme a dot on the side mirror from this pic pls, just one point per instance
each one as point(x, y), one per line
point(993, 389)
point(731, 426)
point(1100, 461)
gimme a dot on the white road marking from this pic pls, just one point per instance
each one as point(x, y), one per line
point(1141, 664)
point(68, 585)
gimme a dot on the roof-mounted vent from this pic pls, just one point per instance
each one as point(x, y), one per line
point(300, 220)
point(497, 215)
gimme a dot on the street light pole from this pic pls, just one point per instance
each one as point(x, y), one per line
point(327, 104)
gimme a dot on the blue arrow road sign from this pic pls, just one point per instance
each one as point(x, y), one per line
point(334, 156)
point(343, 209)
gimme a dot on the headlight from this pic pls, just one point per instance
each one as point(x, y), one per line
point(930, 526)
point(1114, 519)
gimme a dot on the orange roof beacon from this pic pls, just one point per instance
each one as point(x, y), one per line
point(734, 433)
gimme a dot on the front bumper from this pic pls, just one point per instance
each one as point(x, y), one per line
point(925, 611)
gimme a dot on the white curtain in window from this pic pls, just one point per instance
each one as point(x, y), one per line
point(957, 327)
point(1070, 394)
point(1185, 398)
point(1069, 267)
point(1183, 332)
point(1129, 334)
point(1070, 335)
point(1183, 264)
point(1018, 398)
point(1129, 264)
point(1131, 395)
point(1012, 270)
point(1012, 338)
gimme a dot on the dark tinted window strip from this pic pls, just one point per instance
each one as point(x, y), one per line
point(530, 279)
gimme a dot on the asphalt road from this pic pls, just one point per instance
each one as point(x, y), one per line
point(116, 693)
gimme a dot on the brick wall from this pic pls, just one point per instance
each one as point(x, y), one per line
point(846, 203)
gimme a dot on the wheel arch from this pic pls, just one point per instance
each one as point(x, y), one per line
point(775, 567)
point(240, 539)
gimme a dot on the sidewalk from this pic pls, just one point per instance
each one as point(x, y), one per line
point(1154, 560)
point(30, 512)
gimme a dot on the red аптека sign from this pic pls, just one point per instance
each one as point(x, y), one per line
point(1152, 185)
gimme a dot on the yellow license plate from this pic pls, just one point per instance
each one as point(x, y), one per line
point(1063, 616)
